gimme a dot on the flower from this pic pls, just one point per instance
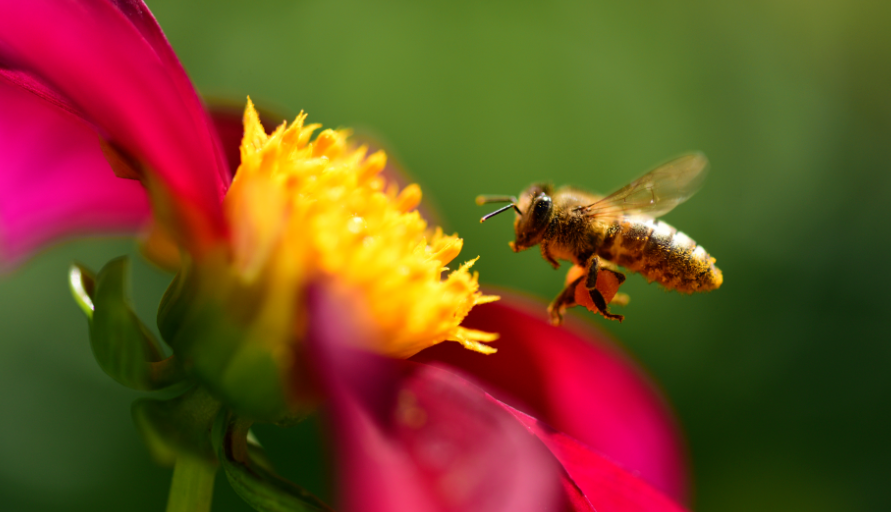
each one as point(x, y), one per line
point(303, 211)
point(294, 282)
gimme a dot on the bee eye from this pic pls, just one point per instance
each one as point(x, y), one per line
point(542, 209)
point(543, 203)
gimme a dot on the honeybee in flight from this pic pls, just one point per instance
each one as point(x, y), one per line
point(598, 234)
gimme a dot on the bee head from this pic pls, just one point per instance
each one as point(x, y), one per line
point(536, 209)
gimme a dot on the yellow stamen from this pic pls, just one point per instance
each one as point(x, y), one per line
point(305, 210)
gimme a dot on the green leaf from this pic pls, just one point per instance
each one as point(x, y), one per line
point(251, 476)
point(122, 345)
point(181, 425)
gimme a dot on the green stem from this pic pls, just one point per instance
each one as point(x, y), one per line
point(192, 487)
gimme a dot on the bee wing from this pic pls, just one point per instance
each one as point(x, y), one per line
point(656, 192)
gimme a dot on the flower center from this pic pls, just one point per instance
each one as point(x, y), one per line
point(305, 211)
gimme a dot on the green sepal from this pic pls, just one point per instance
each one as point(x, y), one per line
point(251, 476)
point(122, 345)
point(213, 340)
point(179, 425)
point(177, 300)
point(82, 283)
point(242, 372)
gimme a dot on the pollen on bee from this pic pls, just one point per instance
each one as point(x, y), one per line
point(682, 241)
point(662, 230)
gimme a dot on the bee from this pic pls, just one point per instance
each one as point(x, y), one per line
point(599, 234)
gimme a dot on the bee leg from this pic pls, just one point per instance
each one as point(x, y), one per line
point(600, 303)
point(546, 254)
point(591, 284)
point(620, 298)
point(612, 268)
point(566, 299)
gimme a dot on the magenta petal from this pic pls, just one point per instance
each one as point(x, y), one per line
point(144, 21)
point(29, 82)
point(123, 76)
point(54, 180)
point(230, 130)
point(414, 437)
point(578, 382)
point(604, 485)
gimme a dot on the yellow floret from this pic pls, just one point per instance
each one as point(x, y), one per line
point(317, 211)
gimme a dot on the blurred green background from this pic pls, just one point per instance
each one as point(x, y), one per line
point(781, 378)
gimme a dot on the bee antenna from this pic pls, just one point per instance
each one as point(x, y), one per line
point(502, 209)
point(481, 200)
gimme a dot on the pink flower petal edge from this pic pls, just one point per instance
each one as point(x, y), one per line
point(144, 21)
point(602, 485)
point(579, 383)
point(414, 437)
point(54, 180)
point(111, 61)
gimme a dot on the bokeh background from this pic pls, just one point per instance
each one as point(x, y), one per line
point(781, 378)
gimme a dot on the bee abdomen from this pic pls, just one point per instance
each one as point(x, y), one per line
point(661, 253)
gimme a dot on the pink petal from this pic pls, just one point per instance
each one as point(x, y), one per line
point(29, 82)
point(142, 18)
point(54, 180)
point(602, 485)
point(578, 382)
point(122, 75)
point(414, 437)
point(228, 122)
